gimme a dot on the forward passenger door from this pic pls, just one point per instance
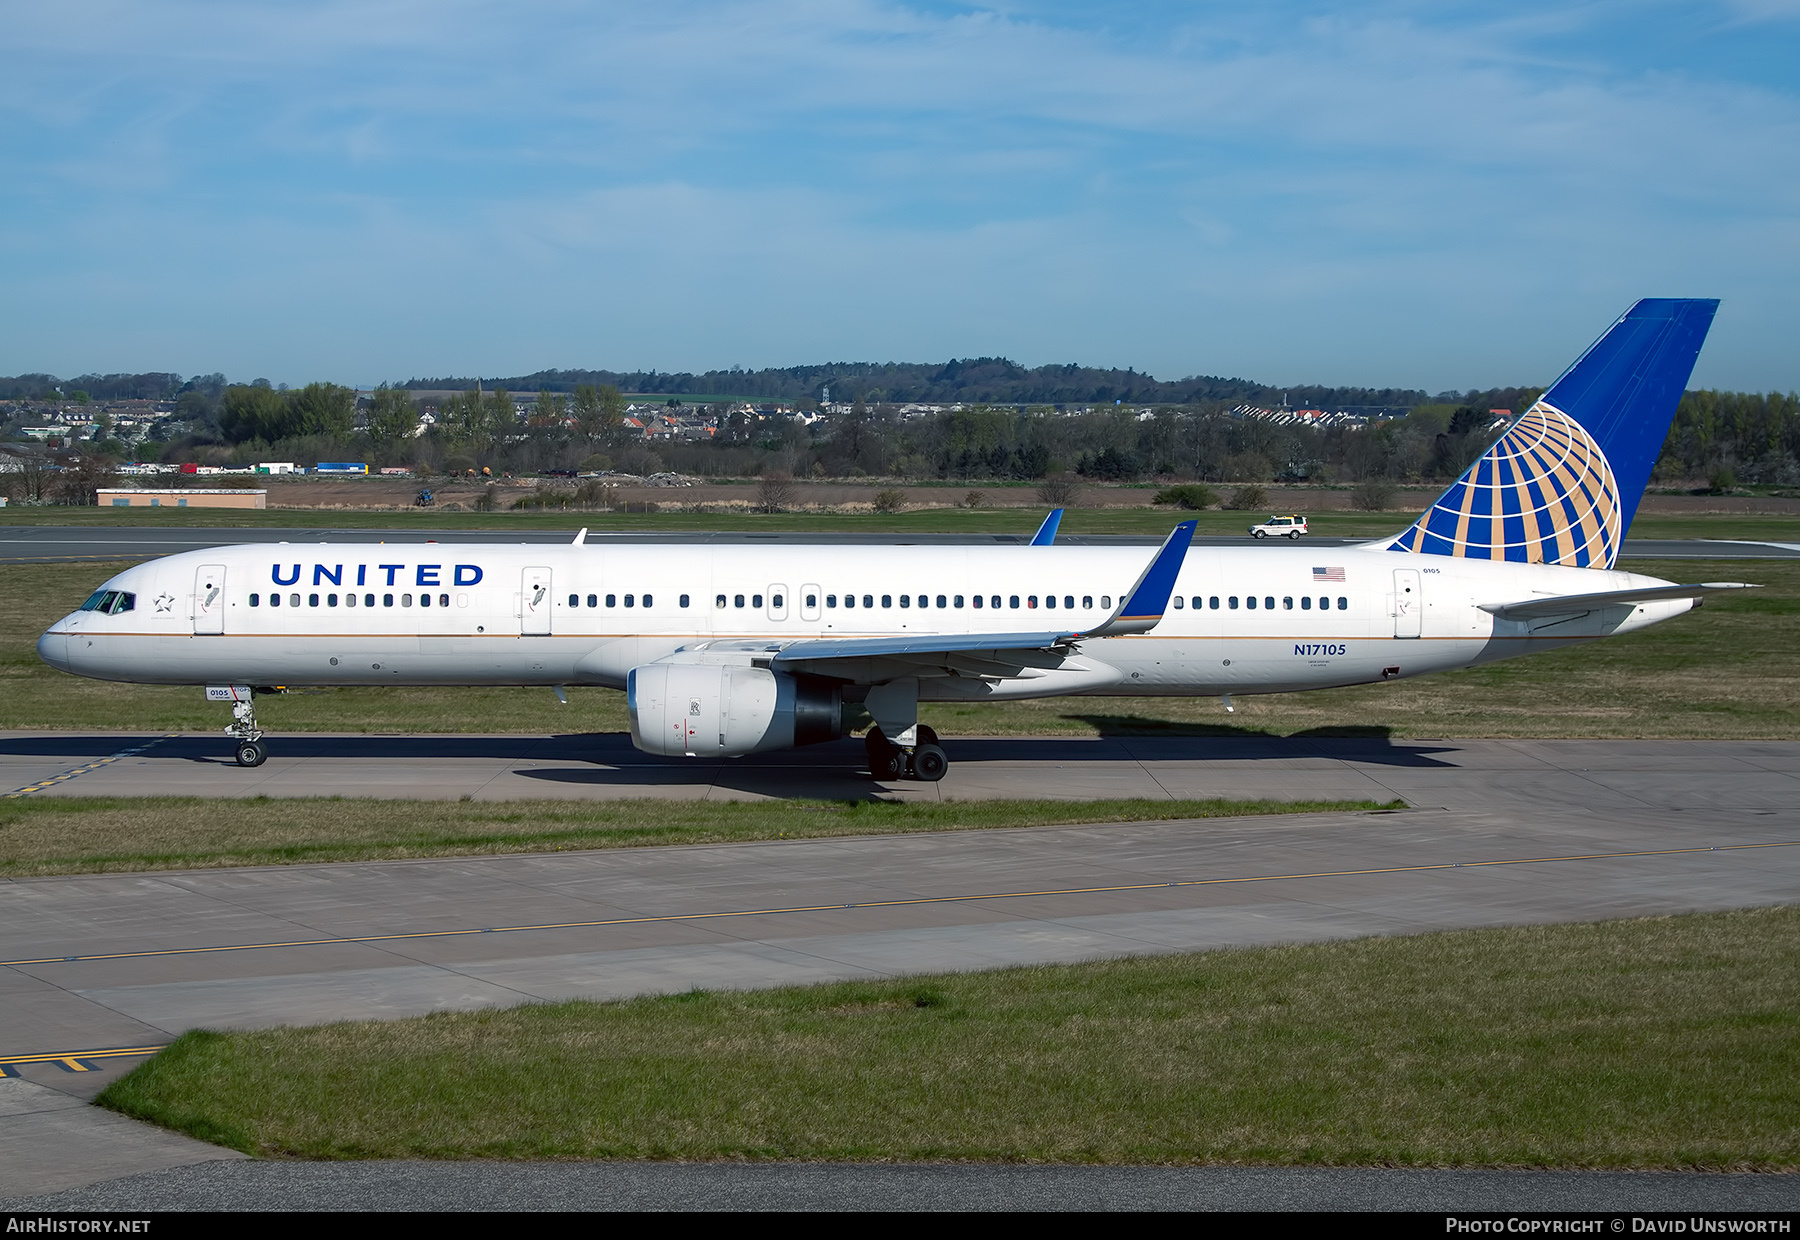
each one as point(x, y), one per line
point(209, 599)
point(535, 601)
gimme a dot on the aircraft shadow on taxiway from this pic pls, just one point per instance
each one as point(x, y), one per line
point(609, 758)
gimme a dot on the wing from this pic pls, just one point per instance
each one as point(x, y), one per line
point(873, 659)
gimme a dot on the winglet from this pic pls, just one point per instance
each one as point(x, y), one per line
point(1143, 607)
point(1046, 534)
point(581, 538)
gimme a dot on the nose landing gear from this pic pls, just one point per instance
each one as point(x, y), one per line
point(251, 750)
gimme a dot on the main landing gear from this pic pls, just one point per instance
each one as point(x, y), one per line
point(925, 760)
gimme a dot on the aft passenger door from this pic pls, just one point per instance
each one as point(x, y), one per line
point(535, 600)
point(1409, 603)
point(209, 599)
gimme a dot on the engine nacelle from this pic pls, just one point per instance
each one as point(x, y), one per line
point(709, 710)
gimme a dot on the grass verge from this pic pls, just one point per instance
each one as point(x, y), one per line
point(1730, 670)
point(1660, 1043)
point(91, 835)
point(1147, 521)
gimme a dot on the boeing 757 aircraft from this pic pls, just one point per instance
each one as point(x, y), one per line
point(725, 651)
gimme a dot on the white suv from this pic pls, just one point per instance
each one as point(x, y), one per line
point(1280, 527)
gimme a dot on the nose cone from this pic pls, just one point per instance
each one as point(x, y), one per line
point(53, 648)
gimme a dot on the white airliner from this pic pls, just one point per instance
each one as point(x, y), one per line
point(731, 650)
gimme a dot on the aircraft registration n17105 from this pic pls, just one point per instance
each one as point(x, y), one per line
point(726, 651)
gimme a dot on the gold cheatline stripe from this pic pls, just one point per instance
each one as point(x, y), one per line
point(826, 908)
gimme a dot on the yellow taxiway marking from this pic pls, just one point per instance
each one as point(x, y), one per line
point(28, 789)
point(916, 900)
point(75, 1061)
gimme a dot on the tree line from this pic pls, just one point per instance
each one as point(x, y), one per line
point(1725, 438)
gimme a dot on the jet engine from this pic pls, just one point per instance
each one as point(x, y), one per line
point(709, 710)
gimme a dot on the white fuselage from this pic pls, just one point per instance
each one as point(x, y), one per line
point(480, 614)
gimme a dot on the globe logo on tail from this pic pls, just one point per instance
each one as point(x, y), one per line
point(1544, 494)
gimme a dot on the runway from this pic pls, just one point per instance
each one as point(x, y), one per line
point(1500, 833)
point(41, 544)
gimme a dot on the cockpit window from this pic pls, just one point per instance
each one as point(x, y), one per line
point(110, 602)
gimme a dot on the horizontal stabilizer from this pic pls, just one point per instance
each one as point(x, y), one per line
point(1569, 604)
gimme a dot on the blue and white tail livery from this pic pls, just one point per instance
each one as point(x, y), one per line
point(1561, 486)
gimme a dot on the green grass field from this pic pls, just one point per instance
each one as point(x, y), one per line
point(1731, 669)
point(1661, 1043)
point(89, 835)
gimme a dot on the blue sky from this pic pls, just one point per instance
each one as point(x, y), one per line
point(1419, 194)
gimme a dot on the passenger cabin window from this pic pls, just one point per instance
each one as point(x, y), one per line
point(648, 601)
point(387, 600)
point(612, 600)
point(1233, 601)
point(369, 600)
point(887, 600)
point(868, 600)
point(1306, 603)
point(631, 600)
point(1250, 602)
point(593, 600)
point(349, 600)
point(1015, 602)
point(255, 600)
point(1178, 603)
point(406, 600)
point(959, 600)
point(1269, 602)
point(831, 600)
point(1343, 604)
point(719, 601)
point(976, 600)
point(755, 600)
point(1106, 601)
point(574, 600)
point(849, 600)
point(1287, 604)
point(737, 600)
point(684, 600)
point(424, 600)
point(1087, 600)
point(331, 600)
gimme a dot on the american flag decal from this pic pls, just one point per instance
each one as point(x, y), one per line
point(1328, 574)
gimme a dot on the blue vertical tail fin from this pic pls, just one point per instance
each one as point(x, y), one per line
point(1562, 485)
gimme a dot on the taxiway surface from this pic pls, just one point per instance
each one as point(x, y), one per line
point(1499, 833)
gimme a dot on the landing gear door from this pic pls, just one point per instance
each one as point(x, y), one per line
point(535, 599)
point(1409, 603)
point(209, 599)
